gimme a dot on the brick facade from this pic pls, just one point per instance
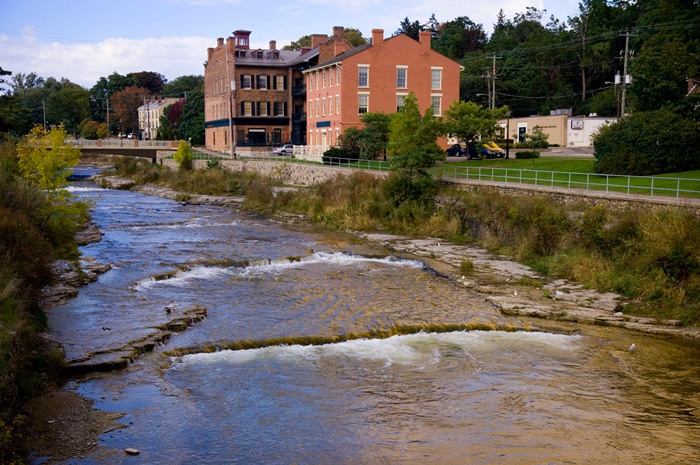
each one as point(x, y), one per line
point(374, 78)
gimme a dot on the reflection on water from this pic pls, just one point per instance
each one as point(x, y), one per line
point(477, 397)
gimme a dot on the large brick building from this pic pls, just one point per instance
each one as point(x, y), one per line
point(376, 77)
point(258, 95)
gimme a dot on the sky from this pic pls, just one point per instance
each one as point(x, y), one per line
point(83, 40)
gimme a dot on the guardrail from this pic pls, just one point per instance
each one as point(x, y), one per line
point(652, 186)
point(640, 185)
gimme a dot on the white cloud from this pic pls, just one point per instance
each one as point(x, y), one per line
point(85, 63)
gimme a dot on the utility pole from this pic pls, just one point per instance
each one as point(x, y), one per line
point(626, 79)
point(492, 86)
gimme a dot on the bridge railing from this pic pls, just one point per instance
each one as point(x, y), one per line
point(123, 143)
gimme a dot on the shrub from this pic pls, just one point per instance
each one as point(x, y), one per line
point(339, 155)
point(183, 156)
point(647, 143)
point(527, 154)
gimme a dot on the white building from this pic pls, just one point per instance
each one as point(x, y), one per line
point(149, 116)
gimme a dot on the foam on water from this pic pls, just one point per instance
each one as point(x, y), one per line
point(422, 349)
point(338, 259)
point(81, 189)
point(183, 278)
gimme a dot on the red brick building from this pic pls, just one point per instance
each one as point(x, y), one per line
point(376, 78)
point(258, 95)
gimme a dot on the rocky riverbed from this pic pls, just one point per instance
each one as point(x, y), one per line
point(66, 425)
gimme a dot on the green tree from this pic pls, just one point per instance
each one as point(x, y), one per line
point(648, 143)
point(150, 80)
point(183, 156)
point(458, 37)
point(468, 121)
point(411, 29)
point(192, 121)
point(303, 41)
point(660, 71)
point(374, 135)
point(182, 86)
point(69, 106)
point(46, 159)
point(413, 148)
point(354, 36)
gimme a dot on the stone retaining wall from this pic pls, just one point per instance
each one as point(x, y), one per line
point(307, 175)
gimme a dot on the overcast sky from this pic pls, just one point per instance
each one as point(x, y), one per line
point(83, 40)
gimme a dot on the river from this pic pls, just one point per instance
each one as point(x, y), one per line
point(494, 395)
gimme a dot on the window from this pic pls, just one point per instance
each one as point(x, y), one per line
point(247, 108)
point(318, 108)
point(436, 100)
point(330, 77)
point(337, 77)
point(323, 106)
point(280, 82)
point(400, 101)
point(362, 103)
point(337, 104)
point(311, 108)
point(280, 108)
point(262, 81)
point(363, 76)
point(311, 81)
point(246, 81)
point(262, 108)
point(436, 78)
point(318, 79)
point(330, 106)
point(401, 77)
point(324, 79)
point(259, 54)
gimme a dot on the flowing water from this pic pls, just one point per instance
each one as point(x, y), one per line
point(500, 394)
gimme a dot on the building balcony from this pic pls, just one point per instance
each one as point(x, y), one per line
point(298, 90)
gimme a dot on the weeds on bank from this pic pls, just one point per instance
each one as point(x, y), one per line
point(647, 254)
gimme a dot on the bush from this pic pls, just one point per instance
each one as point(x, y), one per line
point(648, 143)
point(183, 156)
point(527, 154)
point(338, 155)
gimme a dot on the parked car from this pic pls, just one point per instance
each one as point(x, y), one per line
point(492, 150)
point(286, 149)
point(456, 150)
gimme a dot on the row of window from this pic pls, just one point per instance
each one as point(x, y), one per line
point(363, 103)
point(401, 77)
point(324, 107)
point(324, 137)
point(264, 81)
point(324, 77)
point(250, 108)
point(318, 107)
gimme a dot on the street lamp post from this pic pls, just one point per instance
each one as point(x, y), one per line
point(507, 135)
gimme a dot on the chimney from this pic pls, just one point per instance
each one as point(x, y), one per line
point(424, 38)
point(305, 50)
point(338, 32)
point(230, 44)
point(273, 45)
point(318, 39)
point(338, 48)
point(377, 36)
point(219, 41)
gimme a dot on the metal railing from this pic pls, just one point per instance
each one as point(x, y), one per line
point(640, 185)
point(652, 186)
point(123, 143)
